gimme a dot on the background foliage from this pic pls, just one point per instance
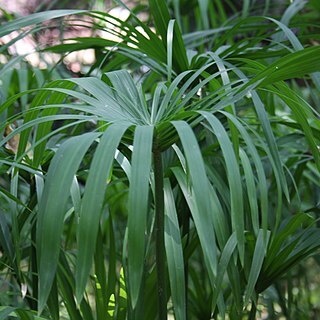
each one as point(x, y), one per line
point(177, 175)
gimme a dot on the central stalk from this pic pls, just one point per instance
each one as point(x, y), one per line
point(159, 228)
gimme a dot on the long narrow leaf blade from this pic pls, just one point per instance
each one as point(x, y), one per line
point(257, 261)
point(174, 254)
point(234, 179)
point(52, 208)
point(93, 200)
point(34, 19)
point(138, 207)
point(200, 184)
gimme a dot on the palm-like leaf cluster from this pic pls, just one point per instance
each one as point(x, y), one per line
point(192, 184)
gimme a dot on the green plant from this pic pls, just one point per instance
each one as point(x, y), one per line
point(195, 178)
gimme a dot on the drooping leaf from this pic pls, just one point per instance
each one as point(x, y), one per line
point(138, 208)
point(200, 185)
point(234, 179)
point(93, 200)
point(174, 254)
point(52, 208)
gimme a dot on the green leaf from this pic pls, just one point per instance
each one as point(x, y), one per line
point(160, 13)
point(200, 185)
point(174, 254)
point(6, 311)
point(224, 260)
point(303, 115)
point(234, 179)
point(45, 128)
point(65, 279)
point(262, 180)
point(203, 5)
point(34, 19)
point(251, 190)
point(257, 261)
point(170, 48)
point(287, 229)
point(293, 65)
point(127, 95)
point(52, 208)
point(138, 208)
point(92, 202)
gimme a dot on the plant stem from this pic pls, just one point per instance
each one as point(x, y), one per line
point(34, 268)
point(253, 311)
point(160, 248)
